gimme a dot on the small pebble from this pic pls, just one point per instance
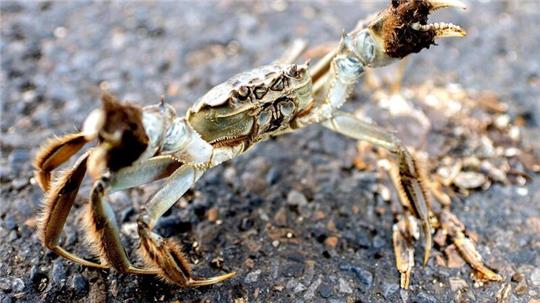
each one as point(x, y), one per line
point(18, 158)
point(365, 277)
point(331, 241)
point(389, 289)
point(518, 277)
point(425, 298)
point(280, 218)
point(296, 198)
point(363, 241)
point(252, 276)
point(79, 285)
point(299, 288)
point(19, 183)
point(469, 179)
point(245, 224)
point(292, 269)
point(10, 222)
point(378, 241)
point(325, 291)
point(291, 283)
point(5, 284)
point(58, 272)
point(12, 236)
point(17, 285)
point(272, 177)
point(310, 293)
point(344, 286)
point(457, 283)
point(213, 214)
point(522, 191)
point(275, 243)
point(535, 277)
point(521, 288)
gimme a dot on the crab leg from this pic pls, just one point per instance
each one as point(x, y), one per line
point(455, 229)
point(104, 232)
point(60, 198)
point(53, 154)
point(57, 204)
point(403, 251)
point(166, 254)
point(410, 179)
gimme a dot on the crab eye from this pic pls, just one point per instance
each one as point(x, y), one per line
point(242, 92)
point(365, 47)
point(293, 72)
point(264, 117)
point(286, 108)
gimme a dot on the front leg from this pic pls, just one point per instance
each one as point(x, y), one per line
point(411, 184)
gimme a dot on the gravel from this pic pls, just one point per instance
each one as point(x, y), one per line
point(295, 191)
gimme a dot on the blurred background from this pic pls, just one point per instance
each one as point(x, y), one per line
point(57, 56)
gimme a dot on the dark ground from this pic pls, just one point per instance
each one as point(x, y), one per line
point(55, 55)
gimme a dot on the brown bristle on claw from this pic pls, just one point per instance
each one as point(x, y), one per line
point(124, 119)
point(400, 39)
point(153, 256)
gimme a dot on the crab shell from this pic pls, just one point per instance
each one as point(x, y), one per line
point(252, 106)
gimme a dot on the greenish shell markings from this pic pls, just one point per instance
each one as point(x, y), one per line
point(251, 106)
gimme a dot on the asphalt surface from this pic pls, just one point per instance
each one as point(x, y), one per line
point(56, 56)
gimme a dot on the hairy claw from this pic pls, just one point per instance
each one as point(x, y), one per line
point(403, 27)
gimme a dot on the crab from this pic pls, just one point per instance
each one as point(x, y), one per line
point(137, 145)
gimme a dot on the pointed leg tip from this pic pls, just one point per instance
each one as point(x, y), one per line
point(427, 244)
point(438, 4)
point(196, 282)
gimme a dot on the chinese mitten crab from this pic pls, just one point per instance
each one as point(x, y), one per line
point(136, 145)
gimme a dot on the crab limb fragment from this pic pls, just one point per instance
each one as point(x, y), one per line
point(165, 254)
point(404, 253)
point(409, 179)
point(455, 229)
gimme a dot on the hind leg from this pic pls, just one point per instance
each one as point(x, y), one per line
point(166, 254)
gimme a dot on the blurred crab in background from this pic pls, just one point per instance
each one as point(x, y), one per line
point(137, 145)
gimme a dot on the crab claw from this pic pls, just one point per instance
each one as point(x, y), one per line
point(402, 29)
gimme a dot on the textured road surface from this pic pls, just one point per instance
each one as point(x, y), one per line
point(56, 55)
